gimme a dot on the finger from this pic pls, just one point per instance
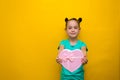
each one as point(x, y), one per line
point(83, 61)
point(60, 60)
point(86, 61)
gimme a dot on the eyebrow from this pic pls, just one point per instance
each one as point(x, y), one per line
point(73, 26)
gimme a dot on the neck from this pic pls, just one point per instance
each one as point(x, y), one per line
point(73, 39)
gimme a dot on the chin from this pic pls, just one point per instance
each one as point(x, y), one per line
point(73, 36)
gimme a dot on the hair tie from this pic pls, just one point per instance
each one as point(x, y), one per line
point(66, 19)
point(79, 20)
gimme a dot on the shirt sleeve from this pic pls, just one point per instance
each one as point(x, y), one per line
point(84, 45)
point(61, 43)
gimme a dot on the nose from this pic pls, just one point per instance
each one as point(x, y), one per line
point(73, 30)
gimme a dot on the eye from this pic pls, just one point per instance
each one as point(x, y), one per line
point(76, 27)
point(69, 27)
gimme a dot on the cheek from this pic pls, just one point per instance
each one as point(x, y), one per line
point(67, 31)
point(78, 31)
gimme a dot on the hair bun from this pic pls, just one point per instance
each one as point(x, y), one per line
point(66, 19)
point(79, 20)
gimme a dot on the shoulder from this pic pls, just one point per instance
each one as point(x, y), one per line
point(80, 41)
point(63, 41)
point(83, 44)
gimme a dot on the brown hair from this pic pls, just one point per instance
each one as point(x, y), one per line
point(78, 21)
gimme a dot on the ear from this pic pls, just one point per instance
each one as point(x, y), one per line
point(66, 19)
point(79, 20)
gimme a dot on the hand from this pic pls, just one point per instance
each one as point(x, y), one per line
point(58, 60)
point(84, 60)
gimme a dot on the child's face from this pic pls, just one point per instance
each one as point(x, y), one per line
point(72, 29)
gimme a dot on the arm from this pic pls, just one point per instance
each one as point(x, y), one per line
point(84, 51)
point(60, 48)
point(58, 60)
point(84, 60)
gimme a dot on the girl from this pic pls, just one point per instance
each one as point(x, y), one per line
point(72, 29)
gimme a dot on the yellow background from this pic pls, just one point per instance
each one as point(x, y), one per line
point(30, 31)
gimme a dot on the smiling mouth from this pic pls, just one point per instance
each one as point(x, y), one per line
point(73, 33)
